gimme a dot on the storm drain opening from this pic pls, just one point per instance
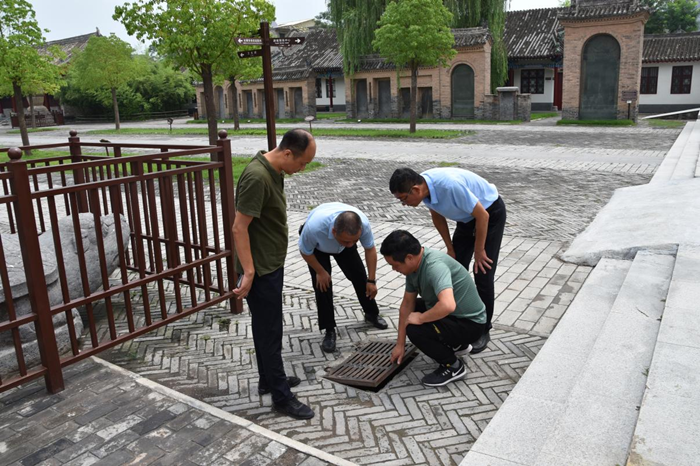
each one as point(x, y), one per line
point(369, 368)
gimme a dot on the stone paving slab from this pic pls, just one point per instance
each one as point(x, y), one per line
point(109, 416)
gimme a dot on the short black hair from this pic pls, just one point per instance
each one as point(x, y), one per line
point(296, 140)
point(348, 222)
point(399, 244)
point(403, 180)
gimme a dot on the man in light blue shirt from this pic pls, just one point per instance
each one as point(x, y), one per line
point(480, 213)
point(333, 229)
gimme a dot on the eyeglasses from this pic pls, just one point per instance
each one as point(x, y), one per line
point(403, 198)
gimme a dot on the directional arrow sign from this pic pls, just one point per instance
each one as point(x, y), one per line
point(249, 41)
point(286, 41)
point(250, 53)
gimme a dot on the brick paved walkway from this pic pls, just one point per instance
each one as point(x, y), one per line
point(552, 193)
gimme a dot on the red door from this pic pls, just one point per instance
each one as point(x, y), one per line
point(558, 87)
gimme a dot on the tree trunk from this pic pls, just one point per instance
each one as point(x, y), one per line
point(31, 111)
point(20, 116)
point(208, 83)
point(234, 102)
point(414, 94)
point(115, 104)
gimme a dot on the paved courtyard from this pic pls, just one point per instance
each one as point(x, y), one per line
point(554, 182)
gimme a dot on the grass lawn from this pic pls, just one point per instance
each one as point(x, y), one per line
point(36, 130)
point(541, 115)
point(597, 122)
point(247, 120)
point(330, 116)
point(429, 120)
point(36, 154)
point(667, 123)
point(339, 132)
point(448, 164)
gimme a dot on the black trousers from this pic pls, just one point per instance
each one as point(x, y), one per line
point(463, 242)
point(265, 303)
point(350, 263)
point(436, 339)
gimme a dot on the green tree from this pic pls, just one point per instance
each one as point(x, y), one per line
point(671, 16)
point(195, 34)
point(21, 63)
point(414, 33)
point(106, 63)
point(356, 21)
point(234, 70)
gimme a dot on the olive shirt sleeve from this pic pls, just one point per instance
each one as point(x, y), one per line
point(252, 196)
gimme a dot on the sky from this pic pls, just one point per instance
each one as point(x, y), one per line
point(67, 18)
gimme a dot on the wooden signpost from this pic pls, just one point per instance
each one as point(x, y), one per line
point(266, 42)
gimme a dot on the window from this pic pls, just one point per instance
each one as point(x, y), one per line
point(328, 85)
point(680, 79)
point(319, 91)
point(532, 81)
point(650, 77)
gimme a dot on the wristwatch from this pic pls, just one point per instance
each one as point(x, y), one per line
point(373, 282)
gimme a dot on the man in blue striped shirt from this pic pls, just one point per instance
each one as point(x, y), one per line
point(480, 213)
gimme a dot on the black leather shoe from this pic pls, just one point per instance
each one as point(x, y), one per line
point(480, 345)
point(376, 321)
point(291, 381)
point(295, 409)
point(328, 345)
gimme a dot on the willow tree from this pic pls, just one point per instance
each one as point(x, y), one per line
point(415, 33)
point(356, 21)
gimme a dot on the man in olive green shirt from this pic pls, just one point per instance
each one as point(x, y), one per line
point(260, 234)
point(449, 317)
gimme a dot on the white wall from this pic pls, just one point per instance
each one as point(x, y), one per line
point(339, 86)
point(548, 96)
point(663, 94)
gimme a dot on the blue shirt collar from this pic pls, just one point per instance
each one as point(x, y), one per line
point(431, 188)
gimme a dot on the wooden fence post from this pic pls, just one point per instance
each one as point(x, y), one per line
point(226, 186)
point(28, 237)
point(78, 175)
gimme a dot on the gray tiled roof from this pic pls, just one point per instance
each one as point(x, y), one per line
point(532, 33)
point(592, 9)
point(70, 45)
point(680, 47)
point(319, 53)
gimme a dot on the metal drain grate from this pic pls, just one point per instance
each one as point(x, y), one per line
point(369, 366)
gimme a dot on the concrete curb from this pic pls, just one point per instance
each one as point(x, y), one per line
point(220, 413)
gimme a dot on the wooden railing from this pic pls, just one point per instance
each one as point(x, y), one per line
point(176, 260)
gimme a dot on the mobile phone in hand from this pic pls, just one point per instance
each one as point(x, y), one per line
point(240, 281)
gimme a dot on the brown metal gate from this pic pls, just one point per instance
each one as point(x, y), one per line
point(179, 213)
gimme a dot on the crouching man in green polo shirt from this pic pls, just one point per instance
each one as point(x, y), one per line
point(449, 317)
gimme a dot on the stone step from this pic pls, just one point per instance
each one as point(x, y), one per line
point(668, 426)
point(668, 166)
point(599, 419)
point(688, 161)
point(528, 417)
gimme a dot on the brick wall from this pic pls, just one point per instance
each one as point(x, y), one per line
point(629, 33)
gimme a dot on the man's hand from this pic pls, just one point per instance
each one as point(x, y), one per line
point(415, 318)
point(371, 291)
point(397, 353)
point(482, 263)
point(243, 290)
point(323, 281)
point(451, 252)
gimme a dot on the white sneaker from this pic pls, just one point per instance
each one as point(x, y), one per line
point(462, 350)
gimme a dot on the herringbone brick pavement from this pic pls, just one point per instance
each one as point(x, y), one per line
point(405, 423)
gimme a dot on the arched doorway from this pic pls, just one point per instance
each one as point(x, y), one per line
point(600, 71)
point(463, 92)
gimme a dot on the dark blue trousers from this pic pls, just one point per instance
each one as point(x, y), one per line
point(265, 303)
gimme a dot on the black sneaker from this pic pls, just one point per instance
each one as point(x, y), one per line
point(291, 381)
point(444, 375)
point(462, 349)
point(480, 344)
point(376, 321)
point(328, 345)
point(295, 409)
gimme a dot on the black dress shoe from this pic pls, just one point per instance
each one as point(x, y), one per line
point(480, 345)
point(291, 381)
point(328, 345)
point(376, 321)
point(295, 409)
